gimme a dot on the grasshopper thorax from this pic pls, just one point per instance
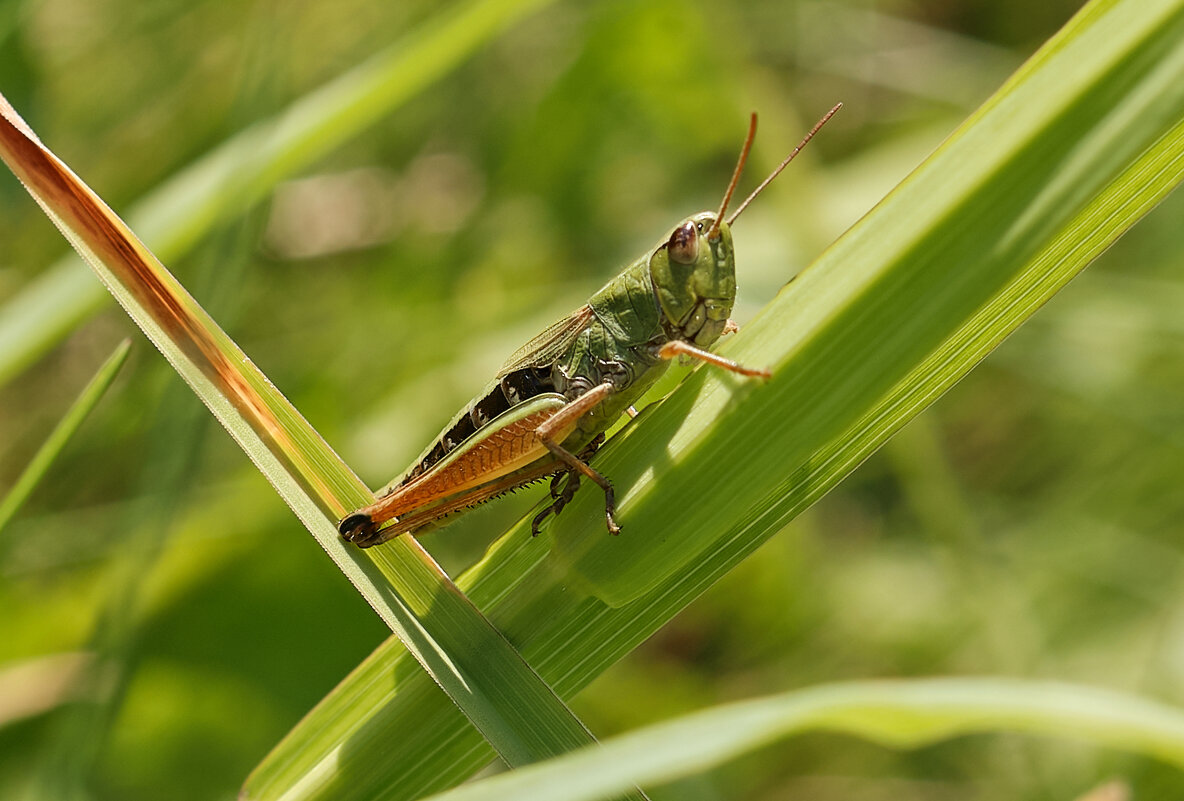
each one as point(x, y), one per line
point(694, 278)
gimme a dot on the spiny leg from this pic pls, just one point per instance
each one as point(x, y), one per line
point(561, 420)
point(678, 347)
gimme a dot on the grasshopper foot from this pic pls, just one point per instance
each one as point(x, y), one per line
point(610, 508)
point(538, 520)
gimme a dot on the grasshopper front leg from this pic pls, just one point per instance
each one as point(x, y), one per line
point(562, 420)
point(678, 347)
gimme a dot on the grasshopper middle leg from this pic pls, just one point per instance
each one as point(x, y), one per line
point(677, 347)
point(564, 486)
point(561, 420)
point(560, 495)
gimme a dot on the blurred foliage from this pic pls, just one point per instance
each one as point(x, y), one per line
point(1026, 525)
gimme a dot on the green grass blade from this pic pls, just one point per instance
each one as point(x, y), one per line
point(239, 173)
point(897, 714)
point(1075, 148)
point(482, 674)
point(62, 432)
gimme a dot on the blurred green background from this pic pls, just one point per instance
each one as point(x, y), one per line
point(164, 619)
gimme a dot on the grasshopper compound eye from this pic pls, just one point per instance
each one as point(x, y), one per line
point(683, 246)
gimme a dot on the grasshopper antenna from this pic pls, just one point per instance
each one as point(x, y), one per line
point(713, 232)
point(817, 126)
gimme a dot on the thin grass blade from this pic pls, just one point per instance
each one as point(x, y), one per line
point(39, 465)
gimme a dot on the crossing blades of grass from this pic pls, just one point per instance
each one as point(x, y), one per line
point(465, 655)
point(1071, 151)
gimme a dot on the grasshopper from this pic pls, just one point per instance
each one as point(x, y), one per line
point(546, 411)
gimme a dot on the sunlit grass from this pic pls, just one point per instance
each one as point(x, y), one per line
point(1026, 526)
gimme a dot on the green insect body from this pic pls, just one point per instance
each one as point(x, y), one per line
point(546, 411)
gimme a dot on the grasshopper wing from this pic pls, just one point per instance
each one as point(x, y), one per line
point(550, 344)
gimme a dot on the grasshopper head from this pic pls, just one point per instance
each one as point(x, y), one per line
point(694, 272)
point(694, 276)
